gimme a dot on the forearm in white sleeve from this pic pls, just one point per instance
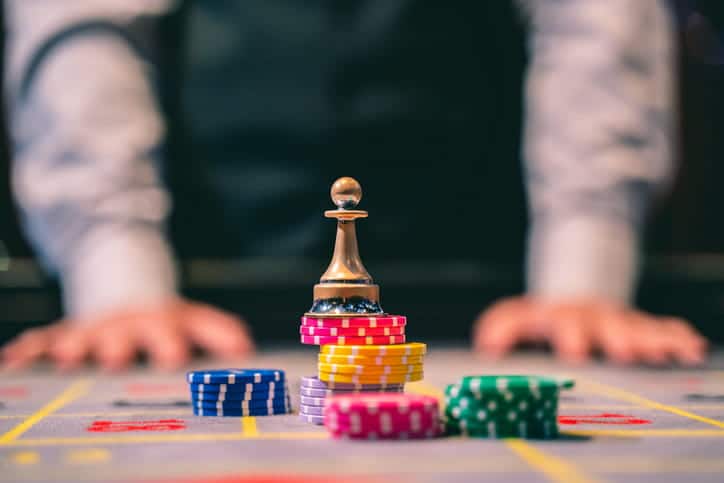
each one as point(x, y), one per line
point(87, 132)
point(598, 140)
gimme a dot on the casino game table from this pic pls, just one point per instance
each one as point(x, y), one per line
point(617, 424)
point(613, 424)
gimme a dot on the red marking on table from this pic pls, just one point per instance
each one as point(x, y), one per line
point(14, 392)
point(127, 426)
point(602, 418)
point(142, 388)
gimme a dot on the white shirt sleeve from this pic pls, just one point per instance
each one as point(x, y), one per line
point(87, 133)
point(598, 140)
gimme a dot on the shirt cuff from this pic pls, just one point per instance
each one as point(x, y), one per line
point(118, 267)
point(583, 257)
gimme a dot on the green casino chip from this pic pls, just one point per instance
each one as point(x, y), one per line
point(516, 384)
point(520, 402)
point(498, 407)
point(457, 390)
point(504, 406)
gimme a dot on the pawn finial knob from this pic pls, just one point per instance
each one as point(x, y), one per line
point(346, 193)
point(346, 288)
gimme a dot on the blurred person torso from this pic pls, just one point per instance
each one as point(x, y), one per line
point(419, 100)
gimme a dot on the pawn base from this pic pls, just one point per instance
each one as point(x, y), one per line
point(349, 306)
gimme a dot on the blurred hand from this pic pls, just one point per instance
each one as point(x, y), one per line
point(575, 329)
point(166, 333)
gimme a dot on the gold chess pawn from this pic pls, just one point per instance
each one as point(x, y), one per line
point(346, 288)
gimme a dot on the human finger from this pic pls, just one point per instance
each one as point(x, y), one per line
point(30, 346)
point(613, 338)
point(500, 328)
point(570, 335)
point(219, 332)
point(162, 337)
point(685, 344)
point(70, 347)
point(115, 345)
point(650, 342)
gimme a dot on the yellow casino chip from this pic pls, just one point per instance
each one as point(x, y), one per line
point(409, 349)
point(370, 360)
point(371, 370)
point(370, 379)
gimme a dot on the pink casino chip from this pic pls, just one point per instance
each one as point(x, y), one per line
point(348, 322)
point(351, 331)
point(343, 340)
point(382, 416)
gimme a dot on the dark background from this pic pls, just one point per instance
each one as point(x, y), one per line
point(684, 271)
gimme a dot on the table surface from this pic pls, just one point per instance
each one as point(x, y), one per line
point(618, 424)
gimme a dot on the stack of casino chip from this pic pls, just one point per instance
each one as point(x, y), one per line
point(371, 364)
point(358, 330)
point(382, 416)
point(360, 353)
point(239, 392)
point(504, 406)
point(313, 393)
point(364, 350)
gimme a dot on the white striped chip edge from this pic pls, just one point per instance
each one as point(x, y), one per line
point(248, 387)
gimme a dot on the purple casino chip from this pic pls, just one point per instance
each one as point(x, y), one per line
point(312, 392)
point(311, 401)
point(313, 382)
point(311, 410)
point(309, 418)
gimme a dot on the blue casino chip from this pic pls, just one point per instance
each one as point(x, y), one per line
point(276, 404)
point(239, 396)
point(240, 388)
point(239, 412)
point(235, 376)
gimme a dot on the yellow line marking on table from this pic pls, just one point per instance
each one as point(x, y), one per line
point(248, 427)
point(693, 407)
point(554, 468)
point(616, 393)
point(162, 438)
point(421, 387)
point(639, 433)
point(108, 414)
point(25, 457)
point(204, 437)
point(185, 412)
point(120, 414)
point(596, 406)
point(89, 455)
point(73, 392)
